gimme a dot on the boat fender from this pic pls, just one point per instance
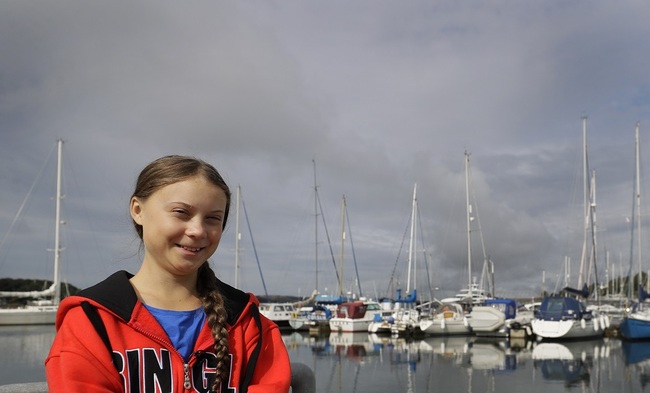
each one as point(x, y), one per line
point(606, 320)
point(583, 324)
point(529, 331)
point(442, 323)
point(465, 323)
point(596, 324)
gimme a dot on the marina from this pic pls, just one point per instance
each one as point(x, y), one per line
point(366, 363)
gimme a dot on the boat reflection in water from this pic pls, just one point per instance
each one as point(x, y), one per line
point(571, 361)
point(362, 362)
point(637, 358)
point(24, 348)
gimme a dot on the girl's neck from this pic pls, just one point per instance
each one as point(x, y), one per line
point(166, 291)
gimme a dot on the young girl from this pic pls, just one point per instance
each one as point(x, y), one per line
point(173, 326)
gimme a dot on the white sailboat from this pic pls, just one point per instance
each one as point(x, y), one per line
point(474, 293)
point(450, 317)
point(43, 310)
point(401, 316)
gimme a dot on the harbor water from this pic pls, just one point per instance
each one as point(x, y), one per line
point(365, 363)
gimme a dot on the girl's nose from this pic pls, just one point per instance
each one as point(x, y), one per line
point(195, 228)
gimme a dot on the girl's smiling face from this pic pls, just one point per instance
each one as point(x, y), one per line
point(182, 224)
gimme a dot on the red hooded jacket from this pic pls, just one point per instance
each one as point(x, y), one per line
point(143, 359)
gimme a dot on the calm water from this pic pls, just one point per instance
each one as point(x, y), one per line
point(367, 364)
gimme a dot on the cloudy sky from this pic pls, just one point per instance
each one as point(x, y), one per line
point(380, 95)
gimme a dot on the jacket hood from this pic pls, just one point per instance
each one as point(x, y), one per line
point(116, 294)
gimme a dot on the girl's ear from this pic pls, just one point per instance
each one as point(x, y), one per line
point(136, 210)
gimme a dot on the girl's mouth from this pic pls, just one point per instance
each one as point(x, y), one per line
point(191, 249)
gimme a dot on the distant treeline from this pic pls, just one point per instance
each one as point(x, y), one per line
point(27, 284)
point(278, 299)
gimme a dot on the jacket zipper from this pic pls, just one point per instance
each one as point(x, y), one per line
point(186, 366)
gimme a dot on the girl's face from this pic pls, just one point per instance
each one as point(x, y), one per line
point(181, 224)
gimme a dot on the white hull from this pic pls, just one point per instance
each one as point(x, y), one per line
point(383, 327)
point(349, 325)
point(441, 326)
point(299, 323)
point(567, 329)
point(31, 315)
point(484, 319)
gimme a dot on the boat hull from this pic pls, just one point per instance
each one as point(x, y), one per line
point(632, 328)
point(444, 327)
point(486, 319)
point(566, 329)
point(349, 325)
point(28, 316)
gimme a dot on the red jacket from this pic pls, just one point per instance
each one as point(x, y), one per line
point(143, 359)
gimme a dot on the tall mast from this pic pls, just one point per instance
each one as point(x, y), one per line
point(584, 201)
point(57, 238)
point(315, 224)
point(411, 262)
point(469, 229)
point(342, 245)
point(638, 198)
point(636, 215)
point(593, 226)
point(237, 235)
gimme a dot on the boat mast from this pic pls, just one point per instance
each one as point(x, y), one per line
point(237, 235)
point(592, 219)
point(342, 246)
point(57, 238)
point(468, 207)
point(584, 201)
point(638, 198)
point(411, 261)
point(636, 217)
point(315, 224)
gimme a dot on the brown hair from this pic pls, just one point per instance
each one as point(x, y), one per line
point(169, 170)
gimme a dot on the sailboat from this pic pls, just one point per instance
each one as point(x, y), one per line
point(636, 325)
point(474, 293)
point(450, 317)
point(400, 317)
point(353, 316)
point(565, 316)
point(315, 318)
point(41, 311)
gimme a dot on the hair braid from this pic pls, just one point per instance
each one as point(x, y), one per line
point(216, 315)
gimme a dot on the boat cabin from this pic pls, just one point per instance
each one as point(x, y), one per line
point(353, 310)
point(507, 306)
point(558, 308)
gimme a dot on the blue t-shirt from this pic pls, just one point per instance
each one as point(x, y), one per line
point(182, 327)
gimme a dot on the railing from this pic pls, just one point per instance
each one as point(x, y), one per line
point(302, 381)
